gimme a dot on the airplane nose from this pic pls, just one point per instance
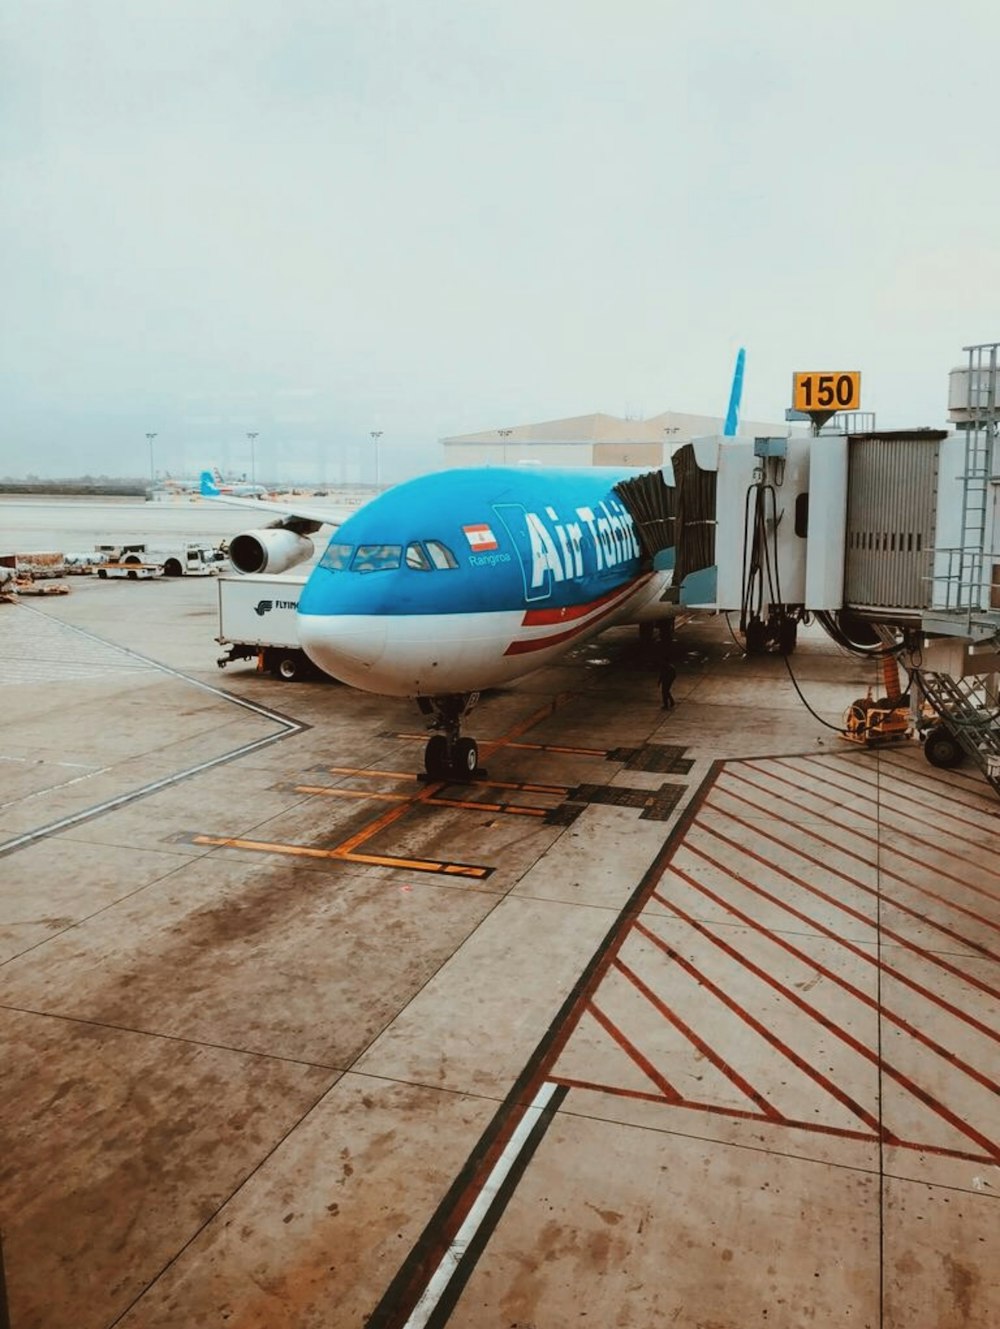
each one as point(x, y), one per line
point(348, 647)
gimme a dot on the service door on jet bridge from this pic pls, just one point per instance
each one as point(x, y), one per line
point(891, 519)
point(514, 519)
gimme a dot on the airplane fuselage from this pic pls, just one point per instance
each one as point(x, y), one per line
point(463, 580)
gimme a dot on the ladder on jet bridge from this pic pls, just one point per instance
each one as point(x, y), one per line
point(962, 570)
point(969, 715)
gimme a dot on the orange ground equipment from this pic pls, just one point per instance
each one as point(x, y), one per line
point(886, 720)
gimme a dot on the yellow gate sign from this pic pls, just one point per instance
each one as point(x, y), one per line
point(836, 391)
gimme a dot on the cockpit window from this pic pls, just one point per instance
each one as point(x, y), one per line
point(416, 558)
point(377, 558)
point(441, 555)
point(337, 557)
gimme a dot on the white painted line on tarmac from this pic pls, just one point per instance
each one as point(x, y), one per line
point(96, 810)
point(288, 727)
point(442, 1276)
point(51, 789)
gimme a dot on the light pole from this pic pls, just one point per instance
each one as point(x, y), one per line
point(505, 435)
point(376, 434)
point(152, 470)
point(253, 465)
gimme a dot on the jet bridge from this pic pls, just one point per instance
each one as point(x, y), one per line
point(845, 527)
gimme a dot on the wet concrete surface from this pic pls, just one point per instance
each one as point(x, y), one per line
point(264, 1051)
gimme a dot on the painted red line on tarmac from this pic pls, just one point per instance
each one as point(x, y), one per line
point(951, 1057)
point(918, 1092)
point(769, 1111)
point(935, 780)
point(668, 1091)
point(817, 1128)
point(917, 839)
point(932, 957)
point(963, 882)
point(894, 783)
point(810, 1071)
point(801, 831)
point(898, 787)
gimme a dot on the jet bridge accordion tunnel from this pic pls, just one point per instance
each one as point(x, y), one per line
point(841, 526)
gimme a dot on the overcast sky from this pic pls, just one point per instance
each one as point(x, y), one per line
point(316, 218)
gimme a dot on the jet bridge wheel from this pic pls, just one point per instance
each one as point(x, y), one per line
point(942, 749)
point(788, 633)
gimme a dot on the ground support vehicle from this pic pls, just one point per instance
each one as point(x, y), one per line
point(134, 570)
point(257, 621)
point(183, 560)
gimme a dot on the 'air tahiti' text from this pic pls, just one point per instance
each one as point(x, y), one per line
point(559, 550)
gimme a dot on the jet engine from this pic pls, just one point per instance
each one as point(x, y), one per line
point(274, 548)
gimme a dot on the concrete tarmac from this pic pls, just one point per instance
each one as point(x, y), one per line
point(683, 1017)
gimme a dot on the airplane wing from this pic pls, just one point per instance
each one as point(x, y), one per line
point(267, 508)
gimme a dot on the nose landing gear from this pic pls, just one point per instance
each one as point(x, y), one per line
point(447, 755)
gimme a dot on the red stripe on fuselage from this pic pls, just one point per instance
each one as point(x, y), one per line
point(540, 617)
point(536, 618)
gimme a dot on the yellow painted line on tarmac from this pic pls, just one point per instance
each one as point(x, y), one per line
point(327, 791)
point(511, 809)
point(347, 850)
point(553, 747)
point(338, 854)
point(557, 790)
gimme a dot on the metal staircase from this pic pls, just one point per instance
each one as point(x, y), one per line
point(969, 713)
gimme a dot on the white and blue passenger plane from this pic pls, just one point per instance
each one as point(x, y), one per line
point(462, 580)
point(465, 579)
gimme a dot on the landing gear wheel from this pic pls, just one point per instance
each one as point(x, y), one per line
point(465, 758)
point(941, 749)
point(436, 757)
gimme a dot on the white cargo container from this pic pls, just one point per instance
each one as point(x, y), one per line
point(257, 622)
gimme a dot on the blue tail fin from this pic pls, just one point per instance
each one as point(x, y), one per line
point(209, 489)
point(735, 395)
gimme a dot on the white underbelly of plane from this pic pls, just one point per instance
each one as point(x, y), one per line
point(431, 655)
point(409, 655)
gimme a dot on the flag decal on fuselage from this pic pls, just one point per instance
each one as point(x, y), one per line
point(480, 537)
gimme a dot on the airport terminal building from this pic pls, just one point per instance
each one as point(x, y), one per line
point(592, 440)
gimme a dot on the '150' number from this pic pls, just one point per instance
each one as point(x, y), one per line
point(827, 392)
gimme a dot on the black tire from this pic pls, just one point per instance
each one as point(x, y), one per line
point(436, 757)
point(133, 576)
point(172, 568)
point(756, 636)
point(942, 749)
point(788, 634)
point(465, 758)
point(288, 667)
point(102, 573)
